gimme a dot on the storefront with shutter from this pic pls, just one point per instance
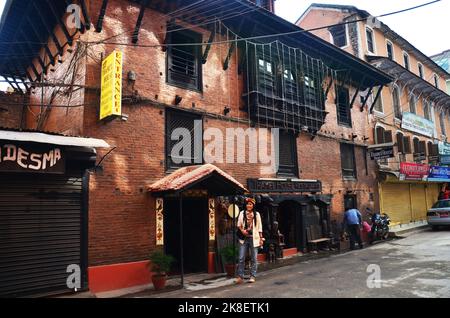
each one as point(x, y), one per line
point(43, 212)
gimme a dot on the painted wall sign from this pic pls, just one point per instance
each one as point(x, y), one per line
point(159, 221)
point(414, 171)
point(417, 124)
point(33, 158)
point(111, 89)
point(257, 185)
point(438, 173)
point(381, 153)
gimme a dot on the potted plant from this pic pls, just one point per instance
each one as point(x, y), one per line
point(230, 255)
point(160, 265)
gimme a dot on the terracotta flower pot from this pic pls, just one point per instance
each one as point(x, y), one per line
point(230, 269)
point(159, 281)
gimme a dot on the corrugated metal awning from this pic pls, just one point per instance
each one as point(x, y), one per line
point(53, 139)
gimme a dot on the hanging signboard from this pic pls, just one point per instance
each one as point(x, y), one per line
point(439, 174)
point(444, 148)
point(381, 153)
point(413, 171)
point(444, 159)
point(31, 158)
point(111, 89)
point(261, 185)
point(417, 124)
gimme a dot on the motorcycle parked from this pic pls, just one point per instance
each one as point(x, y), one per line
point(380, 227)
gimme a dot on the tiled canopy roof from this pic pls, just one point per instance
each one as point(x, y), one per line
point(187, 177)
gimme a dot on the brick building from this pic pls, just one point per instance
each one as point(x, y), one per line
point(411, 114)
point(243, 75)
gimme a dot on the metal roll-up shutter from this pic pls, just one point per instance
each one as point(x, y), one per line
point(433, 190)
point(419, 202)
point(396, 202)
point(40, 233)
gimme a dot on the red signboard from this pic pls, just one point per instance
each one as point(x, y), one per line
point(413, 171)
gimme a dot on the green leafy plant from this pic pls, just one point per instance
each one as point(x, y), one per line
point(160, 262)
point(230, 254)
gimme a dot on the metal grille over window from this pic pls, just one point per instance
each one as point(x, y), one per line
point(285, 86)
point(184, 150)
point(396, 103)
point(183, 61)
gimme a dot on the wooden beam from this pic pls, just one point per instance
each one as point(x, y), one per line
point(367, 98)
point(358, 89)
point(378, 96)
point(87, 18)
point(230, 52)
point(48, 28)
point(61, 23)
point(208, 47)
point(99, 26)
point(329, 87)
point(144, 4)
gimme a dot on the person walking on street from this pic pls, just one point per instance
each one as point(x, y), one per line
point(353, 222)
point(250, 238)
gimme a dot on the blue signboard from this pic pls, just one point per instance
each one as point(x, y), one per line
point(440, 174)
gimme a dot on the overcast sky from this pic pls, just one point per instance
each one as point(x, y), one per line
point(426, 28)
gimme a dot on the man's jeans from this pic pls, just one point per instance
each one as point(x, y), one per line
point(248, 244)
point(355, 236)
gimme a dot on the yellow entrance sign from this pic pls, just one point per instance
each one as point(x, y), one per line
point(111, 95)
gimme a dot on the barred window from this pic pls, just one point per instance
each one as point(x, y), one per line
point(348, 161)
point(343, 107)
point(288, 154)
point(184, 67)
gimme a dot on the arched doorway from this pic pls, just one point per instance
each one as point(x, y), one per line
point(290, 223)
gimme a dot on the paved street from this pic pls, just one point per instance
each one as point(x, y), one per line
point(416, 266)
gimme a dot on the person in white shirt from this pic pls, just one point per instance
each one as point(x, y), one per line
point(251, 237)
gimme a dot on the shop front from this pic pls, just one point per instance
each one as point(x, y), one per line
point(407, 195)
point(293, 211)
point(186, 215)
point(43, 211)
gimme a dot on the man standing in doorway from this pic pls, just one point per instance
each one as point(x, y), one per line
point(251, 238)
point(353, 222)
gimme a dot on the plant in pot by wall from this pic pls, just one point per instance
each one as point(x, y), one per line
point(160, 266)
point(230, 256)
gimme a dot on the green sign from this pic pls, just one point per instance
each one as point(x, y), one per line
point(417, 124)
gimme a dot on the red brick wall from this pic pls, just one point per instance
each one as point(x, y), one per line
point(11, 109)
point(121, 213)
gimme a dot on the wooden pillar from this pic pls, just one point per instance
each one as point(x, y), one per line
point(159, 222)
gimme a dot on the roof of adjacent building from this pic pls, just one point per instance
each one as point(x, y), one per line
point(188, 177)
point(388, 32)
point(442, 59)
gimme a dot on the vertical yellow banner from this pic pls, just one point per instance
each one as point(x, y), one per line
point(212, 219)
point(159, 221)
point(111, 86)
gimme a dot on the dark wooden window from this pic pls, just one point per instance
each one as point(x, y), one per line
point(266, 77)
point(348, 161)
point(370, 45)
point(416, 143)
point(343, 107)
point(403, 144)
point(390, 50)
point(420, 66)
point(406, 60)
point(184, 68)
point(339, 34)
point(382, 136)
point(288, 164)
point(427, 110)
point(436, 80)
point(396, 103)
point(378, 106)
point(290, 85)
point(190, 154)
point(433, 149)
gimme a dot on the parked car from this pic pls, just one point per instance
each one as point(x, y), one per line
point(439, 214)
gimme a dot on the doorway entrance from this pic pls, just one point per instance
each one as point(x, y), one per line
point(290, 223)
point(195, 233)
